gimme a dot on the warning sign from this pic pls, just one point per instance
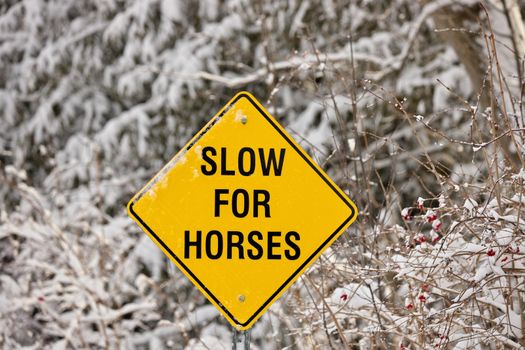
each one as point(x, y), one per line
point(242, 210)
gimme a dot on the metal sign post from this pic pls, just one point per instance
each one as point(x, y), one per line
point(241, 339)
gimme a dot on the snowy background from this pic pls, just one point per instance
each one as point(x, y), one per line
point(413, 107)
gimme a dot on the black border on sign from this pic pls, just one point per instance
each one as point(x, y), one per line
point(305, 263)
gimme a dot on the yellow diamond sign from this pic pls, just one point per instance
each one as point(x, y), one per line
point(242, 210)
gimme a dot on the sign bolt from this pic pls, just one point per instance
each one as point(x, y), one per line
point(244, 120)
point(242, 298)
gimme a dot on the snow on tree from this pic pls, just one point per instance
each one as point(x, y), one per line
point(414, 108)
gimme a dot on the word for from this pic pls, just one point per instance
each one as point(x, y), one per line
point(240, 202)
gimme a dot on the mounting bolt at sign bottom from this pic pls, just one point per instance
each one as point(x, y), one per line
point(242, 298)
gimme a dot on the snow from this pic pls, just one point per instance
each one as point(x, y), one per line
point(147, 253)
point(470, 204)
point(357, 296)
point(96, 96)
point(351, 144)
point(482, 272)
point(504, 236)
point(172, 10)
point(520, 175)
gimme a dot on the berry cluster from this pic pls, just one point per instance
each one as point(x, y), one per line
point(426, 215)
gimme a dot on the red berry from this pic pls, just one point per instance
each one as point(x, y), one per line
point(512, 250)
point(431, 215)
point(405, 214)
point(422, 298)
point(420, 238)
point(491, 252)
point(344, 297)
